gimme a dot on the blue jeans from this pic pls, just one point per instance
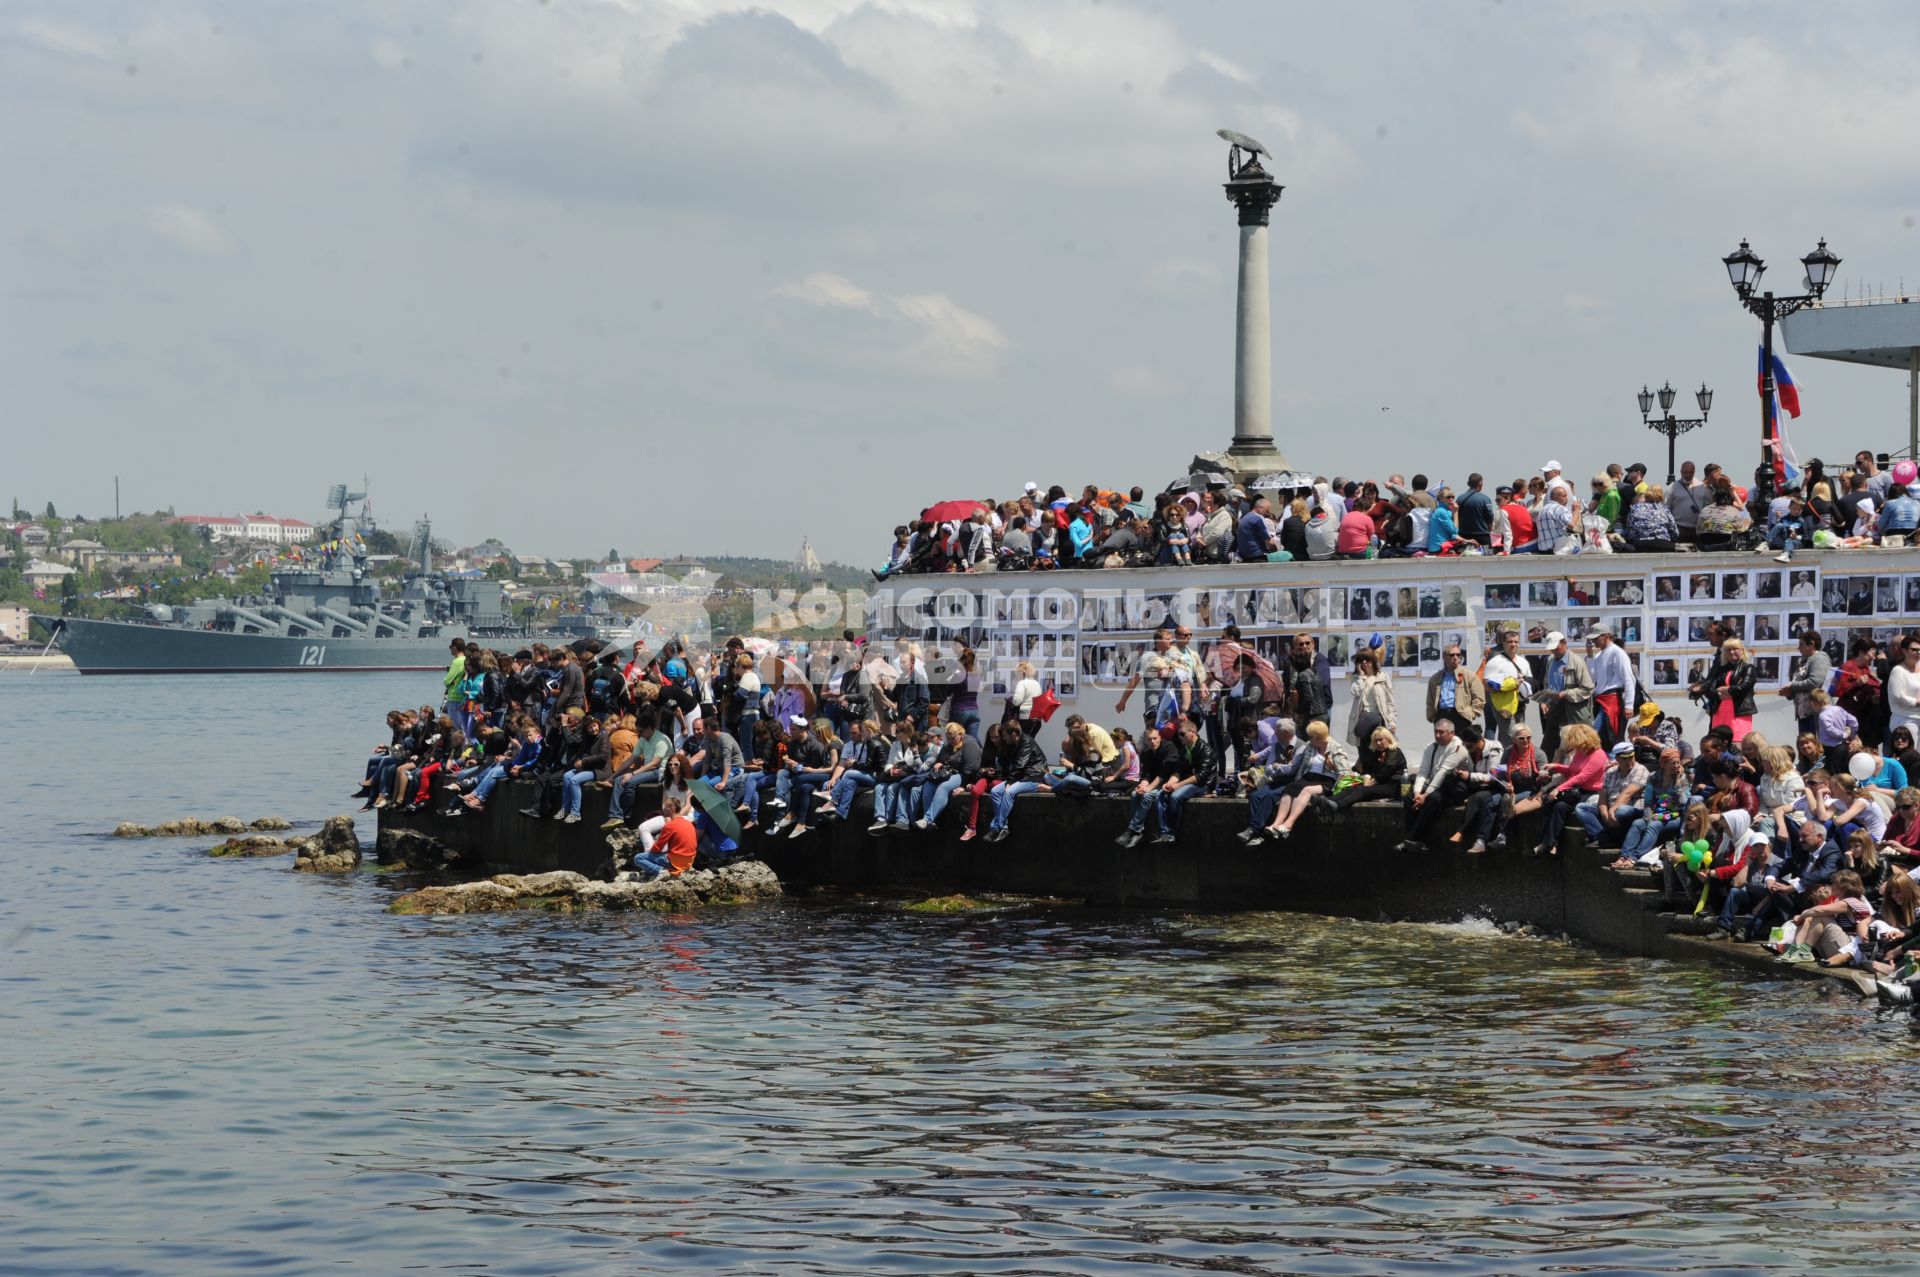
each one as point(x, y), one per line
point(849, 784)
point(1261, 804)
point(893, 800)
point(1589, 817)
point(572, 787)
point(625, 788)
point(1137, 808)
point(1741, 900)
point(1071, 783)
point(1647, 833)
point(733, 786)
point(807, 778)
point(1172, 802)
point(750, 792)
point(651, 860)
point(490, 775)
point(1003, 795)
point(934, 795)
point(967, 718)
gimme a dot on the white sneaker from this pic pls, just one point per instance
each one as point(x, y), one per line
point(878, 826)
point(1783, 557)
point(923, 823)
point(797, 831)
point(1894, 995)
point(778, 825)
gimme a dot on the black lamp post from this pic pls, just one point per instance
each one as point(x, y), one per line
point(1744, 269)
point(1669, 425)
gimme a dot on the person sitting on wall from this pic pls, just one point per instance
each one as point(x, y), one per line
point(1438, 763)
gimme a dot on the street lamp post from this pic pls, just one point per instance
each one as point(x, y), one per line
point(1669, 425)
point(1744, 269)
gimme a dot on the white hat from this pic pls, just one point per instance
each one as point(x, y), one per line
point(1554, 639)
point(797, 720)
point(1031, 486)
point(1551, 465)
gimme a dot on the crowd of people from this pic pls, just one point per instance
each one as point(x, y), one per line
point(1209, 520)
point(1803, 845)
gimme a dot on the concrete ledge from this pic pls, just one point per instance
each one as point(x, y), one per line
point(1065, 848)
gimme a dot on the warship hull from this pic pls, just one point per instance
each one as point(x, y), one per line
point(130, 647)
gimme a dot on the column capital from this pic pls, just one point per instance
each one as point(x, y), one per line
point(1254, 192)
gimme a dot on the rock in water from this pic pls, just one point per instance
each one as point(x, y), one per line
point(193, 827)
point(732, 884)
point(335, 849)
point(251, 845)
point(414, 850)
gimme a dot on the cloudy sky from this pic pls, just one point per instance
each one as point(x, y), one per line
point(706, 277)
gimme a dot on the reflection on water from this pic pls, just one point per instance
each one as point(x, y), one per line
point(216, 1066)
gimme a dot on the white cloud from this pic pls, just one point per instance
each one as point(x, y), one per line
point(924, 333)
point(188, 228)
point(56, 37)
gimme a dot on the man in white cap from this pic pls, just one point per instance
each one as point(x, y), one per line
point(1567, 694)
point(1617, 806)
point(1613, 684)
point(1550, 473)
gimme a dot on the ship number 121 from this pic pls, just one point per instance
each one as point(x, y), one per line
point(313, 655)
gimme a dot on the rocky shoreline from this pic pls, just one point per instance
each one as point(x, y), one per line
point(561, 889)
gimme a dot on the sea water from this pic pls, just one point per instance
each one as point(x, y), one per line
point(213, 1066)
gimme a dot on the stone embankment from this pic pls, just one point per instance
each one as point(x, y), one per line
point(563, 889)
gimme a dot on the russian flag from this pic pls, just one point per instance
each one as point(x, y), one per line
point(1783, 383)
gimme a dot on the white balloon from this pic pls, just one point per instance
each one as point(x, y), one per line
point(1862, 766)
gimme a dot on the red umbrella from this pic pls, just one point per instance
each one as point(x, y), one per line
point(947, 511)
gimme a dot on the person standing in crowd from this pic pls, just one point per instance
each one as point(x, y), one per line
point(1153, 676)
point(1613, 685)
point(453, 705)
point(1567, 695)
point(1456, 692)
point(1026, 690)
point(1308, 682)
point(1508, 683)
point(1476, 511)
point(1683, 501)
point(1903, 687)
point(1730, 693)
point(1519, 519)
point(1810, 672)
point(1373, 705)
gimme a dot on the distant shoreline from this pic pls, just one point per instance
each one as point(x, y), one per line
point(30, 658)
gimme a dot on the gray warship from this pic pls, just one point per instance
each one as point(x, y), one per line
point(324, 614)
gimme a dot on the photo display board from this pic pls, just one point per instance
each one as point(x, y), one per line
point(1095, 638)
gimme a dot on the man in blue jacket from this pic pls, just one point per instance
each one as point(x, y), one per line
point(1814, 859)
point(1252, 540)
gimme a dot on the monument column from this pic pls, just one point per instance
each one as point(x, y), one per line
point(1253, 192)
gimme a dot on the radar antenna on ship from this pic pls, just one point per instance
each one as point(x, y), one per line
point(421, 552)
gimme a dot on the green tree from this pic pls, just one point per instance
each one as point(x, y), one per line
point(51, 512)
